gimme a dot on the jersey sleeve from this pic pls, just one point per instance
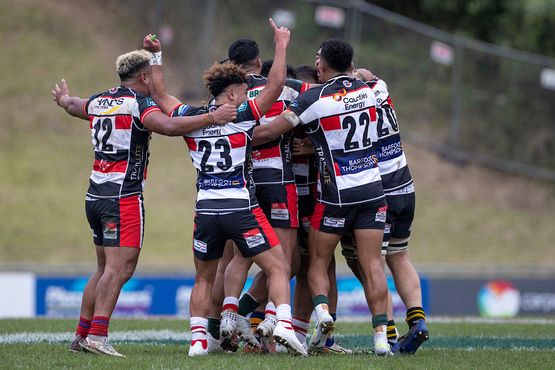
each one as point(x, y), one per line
point(301, 106)
point(296, 85)
point(86, 105)
point(379, 88)
point(146, 106)
point(183, 110)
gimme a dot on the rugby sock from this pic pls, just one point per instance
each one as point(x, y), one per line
point(198, 331)
point(83, 327)
point(392, 334)
point(247, 304)
point(256, 318)
point(301, 328)
point(270, 309)
point(214, 327)
point(378, 321)
point(414, 314)
point(330, 340)
point(99, 326)
point(320, 303)
point(283, 313)
point(230, 304)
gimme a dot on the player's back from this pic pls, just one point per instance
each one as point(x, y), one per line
point(120, 142)
point(272, 160)
point(221, 156)
point(392, 161)
point(340, 117)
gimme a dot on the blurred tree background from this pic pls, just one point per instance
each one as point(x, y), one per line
point(521, 24)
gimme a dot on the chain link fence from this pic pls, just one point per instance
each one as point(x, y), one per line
point(467, 100)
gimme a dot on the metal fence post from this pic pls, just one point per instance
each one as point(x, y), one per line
point(456, 91)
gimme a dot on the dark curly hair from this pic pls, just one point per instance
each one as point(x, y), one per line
point(218, 77)
point(337, 53)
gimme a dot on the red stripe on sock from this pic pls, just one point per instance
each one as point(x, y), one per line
point(230, 307)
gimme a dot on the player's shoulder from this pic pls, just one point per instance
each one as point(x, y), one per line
point(256, 80)
point(377, 84)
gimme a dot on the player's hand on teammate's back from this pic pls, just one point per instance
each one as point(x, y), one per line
point(151, 43)
point(302, 146)
point(224, 114)
point(281, 34)
point(60, 90)
point(364, 74)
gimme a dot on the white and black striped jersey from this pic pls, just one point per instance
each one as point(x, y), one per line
point(221, 156)
point(120, 142)
point(340, 118)
point(391, 158)
point(272, 161)
point(305, 169)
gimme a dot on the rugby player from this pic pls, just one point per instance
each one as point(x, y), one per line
point(275, 191)
point(400, 195)
point(226, 206)
point(340, 118)
point(305, 170)
point(121, 121)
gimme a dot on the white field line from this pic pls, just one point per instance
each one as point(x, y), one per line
point(120, 336)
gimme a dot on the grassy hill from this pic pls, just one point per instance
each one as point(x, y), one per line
point(464, 214)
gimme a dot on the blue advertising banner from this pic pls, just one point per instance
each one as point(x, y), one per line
point(164, 295)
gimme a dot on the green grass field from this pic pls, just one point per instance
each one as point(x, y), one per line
point(162, 344)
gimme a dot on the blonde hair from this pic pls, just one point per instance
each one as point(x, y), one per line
point(128, 64)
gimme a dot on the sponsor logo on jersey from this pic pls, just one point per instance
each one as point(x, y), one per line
point(199, 245)
point(294, 104)
point(356, 102)
point(279, 211)
point(302, 190)
point(113, 90)
point(334, 222)
point(254, 238)
point(212, 130)
point(339, 95)
point(109, 102)
point(242, 107)
point(110, 230)
point(380, 215)
point(253, 93)
point(150, 102)
point(347, 83)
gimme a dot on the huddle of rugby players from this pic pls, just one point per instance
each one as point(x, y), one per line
point(286, 170)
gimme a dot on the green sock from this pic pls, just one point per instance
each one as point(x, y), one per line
point(214, 327)
point(247, 304)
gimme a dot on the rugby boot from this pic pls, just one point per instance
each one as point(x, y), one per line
point(266, 328)
point(335, 348)
point(324, 326)
point(285, 335)
point(244, 331)
point(381, 347)
point(100, 346)
point(75, 343)
point(213, 344)
point(198, 348)
point(228, 325)
point(410, 342)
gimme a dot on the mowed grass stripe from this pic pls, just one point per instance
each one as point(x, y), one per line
point(360, 342)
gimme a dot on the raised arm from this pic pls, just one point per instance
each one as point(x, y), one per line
point(276, 77)
point(73, 105)
point(158, 91)
point(183, 125)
